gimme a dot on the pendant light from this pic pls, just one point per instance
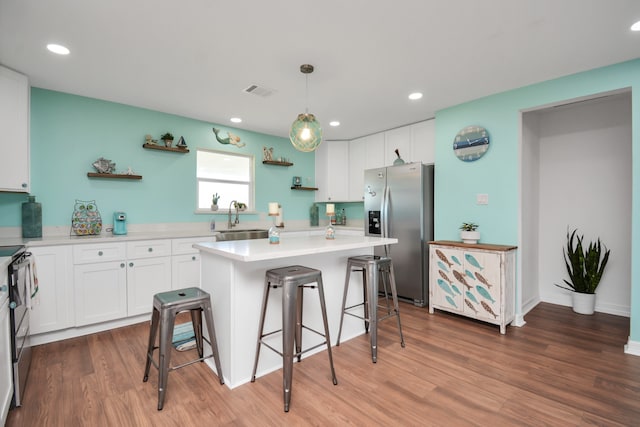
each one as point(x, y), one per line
point(306, 133)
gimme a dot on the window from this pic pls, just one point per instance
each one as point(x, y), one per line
point(228, 174)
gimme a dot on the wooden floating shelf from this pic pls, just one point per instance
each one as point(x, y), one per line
point(112, 175)
point(305, 188)
point(276, 163)
point(161, 148)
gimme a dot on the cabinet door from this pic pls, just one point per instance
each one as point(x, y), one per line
point(375, 151)
point(53, 307)
point(400, 139)
point(14, 122)
point(100, 291)
point(447, 291)
point(357, 159)
point(6, 364)
point(145, 278)
point(482, 271)
point(423, 140)
point(332, 169)
point(185, 271)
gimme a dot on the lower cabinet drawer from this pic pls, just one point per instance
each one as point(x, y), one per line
point(99, 252)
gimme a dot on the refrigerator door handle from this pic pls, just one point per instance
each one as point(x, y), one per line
point(385, 216)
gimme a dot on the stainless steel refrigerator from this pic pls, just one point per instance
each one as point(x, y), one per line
point(398, 202)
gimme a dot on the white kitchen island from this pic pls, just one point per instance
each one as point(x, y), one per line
point(233, 273)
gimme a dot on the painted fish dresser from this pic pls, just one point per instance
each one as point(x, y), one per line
point(473, 280)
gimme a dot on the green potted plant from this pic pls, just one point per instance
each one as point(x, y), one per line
point(214, 202)
point(167, 138)
point(468, 233)
point(240, 206)
point(585, 268)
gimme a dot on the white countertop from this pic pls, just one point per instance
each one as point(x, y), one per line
point(289, 246)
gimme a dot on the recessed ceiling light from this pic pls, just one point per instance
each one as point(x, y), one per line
point(334, 123)
point(236, 119)
point(58, 48)
point(636, 26)
point(415, 95)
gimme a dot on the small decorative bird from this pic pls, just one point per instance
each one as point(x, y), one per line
point(231, 139)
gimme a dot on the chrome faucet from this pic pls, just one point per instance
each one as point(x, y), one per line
point(230, 224)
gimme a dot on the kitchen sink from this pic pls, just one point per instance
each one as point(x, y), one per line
point(223, 236)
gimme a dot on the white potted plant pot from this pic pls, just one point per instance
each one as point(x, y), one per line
point(584, 303)
point(214, 207)
point(470, 236)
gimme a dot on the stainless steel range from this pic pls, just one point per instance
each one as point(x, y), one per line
point(21, 287)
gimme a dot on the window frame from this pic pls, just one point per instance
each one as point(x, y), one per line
point(251, 184)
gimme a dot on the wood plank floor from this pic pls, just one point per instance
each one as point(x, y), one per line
point(560, 369)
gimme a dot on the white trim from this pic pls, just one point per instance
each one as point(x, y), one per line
point(632, 347)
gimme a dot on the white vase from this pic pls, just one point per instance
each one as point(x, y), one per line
point(584, 303)
point(214, 207)
point(469, 236)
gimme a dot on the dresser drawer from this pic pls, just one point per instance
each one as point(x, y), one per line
point(148, 248)
point(98, 252)
point(185, 245)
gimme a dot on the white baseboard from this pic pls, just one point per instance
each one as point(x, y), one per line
point(632, 347)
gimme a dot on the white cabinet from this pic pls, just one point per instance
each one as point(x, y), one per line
point(476, 281)
point(6, 365)
point(116, 280)
point(423, 142)
point(357, 161)
point(145, 278)
point(332, 171)
point(100, 292)
point(185, 263)
point(53, 305)
point(14, 122)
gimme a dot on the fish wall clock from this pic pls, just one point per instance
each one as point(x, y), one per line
point(471, 143)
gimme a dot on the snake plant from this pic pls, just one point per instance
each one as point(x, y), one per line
point(585, 268)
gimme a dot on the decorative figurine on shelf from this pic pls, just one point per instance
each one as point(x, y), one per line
point(182, 143)
point(167, 138)
point(231, 139)
point(129, 171)
point(267, 154)
point(399, 160)
point(148, 139)
point(103, 165)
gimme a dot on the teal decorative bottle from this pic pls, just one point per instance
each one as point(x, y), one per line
point(31, 218)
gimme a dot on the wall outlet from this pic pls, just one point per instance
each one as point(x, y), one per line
point(482, 199)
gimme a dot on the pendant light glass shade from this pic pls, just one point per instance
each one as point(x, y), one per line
point(306, 133)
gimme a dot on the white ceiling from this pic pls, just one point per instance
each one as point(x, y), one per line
point(194, 58)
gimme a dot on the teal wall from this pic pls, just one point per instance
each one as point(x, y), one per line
point(68, 133)
point(498, 172)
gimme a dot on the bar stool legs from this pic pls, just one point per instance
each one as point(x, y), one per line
point(166, 306)
point(293, 280)
point(375, 270)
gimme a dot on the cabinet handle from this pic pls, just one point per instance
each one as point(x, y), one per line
point(99, 253)
point(193, 258)
point(150, 249)
point(4, 288)
point(130, 264)
point(122, 265)
point(24, 185)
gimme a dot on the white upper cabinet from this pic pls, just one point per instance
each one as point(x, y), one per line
point(399, 139)
point(423, 141)
point(332, 171)
point(357, 160)
point(14, 122)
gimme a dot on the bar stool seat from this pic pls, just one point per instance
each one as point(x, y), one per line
point(293, 280)
point(166, 305)
point(376, 270)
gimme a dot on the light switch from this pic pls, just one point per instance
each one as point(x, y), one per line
point(482, 199)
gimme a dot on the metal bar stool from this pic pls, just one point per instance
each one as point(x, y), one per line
point(293, 280)
point(166, 305)
point(375, 270)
